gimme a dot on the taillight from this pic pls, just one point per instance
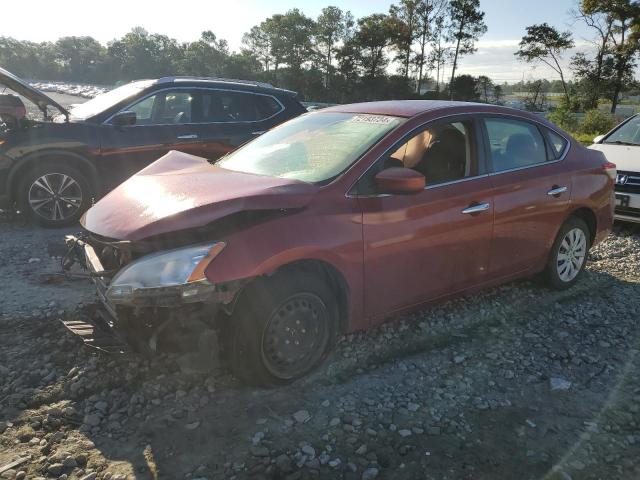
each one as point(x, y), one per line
point(610, 168)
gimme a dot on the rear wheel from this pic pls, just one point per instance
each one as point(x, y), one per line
point(55, 194)
point(282, 328)
point(569, 254)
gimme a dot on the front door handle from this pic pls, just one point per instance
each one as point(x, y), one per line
point(477, 208)
point(556, 191)
point(192, 136)
point(259, 132)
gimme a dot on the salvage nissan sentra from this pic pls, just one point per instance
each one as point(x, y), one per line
point(339, 219)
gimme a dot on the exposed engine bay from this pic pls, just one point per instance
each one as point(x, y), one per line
point(13, 112)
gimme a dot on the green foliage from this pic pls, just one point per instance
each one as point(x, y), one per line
point(597, 122)
point(564, 117)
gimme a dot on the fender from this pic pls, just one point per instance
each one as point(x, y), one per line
point(22, 165)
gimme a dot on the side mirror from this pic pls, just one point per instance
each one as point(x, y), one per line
point(400, 180)
point(123, 119)
point(598, 139)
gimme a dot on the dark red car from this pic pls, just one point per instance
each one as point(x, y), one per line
point(338, 219)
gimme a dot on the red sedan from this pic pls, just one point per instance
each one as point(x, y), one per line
point(339, 219)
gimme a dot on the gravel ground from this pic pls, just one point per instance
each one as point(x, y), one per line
point(518, 382)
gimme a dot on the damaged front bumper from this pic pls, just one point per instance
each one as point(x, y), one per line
point(141, 316)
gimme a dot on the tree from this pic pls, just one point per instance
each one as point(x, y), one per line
point(79, 57)
point(485, 87)
point(594, 74)
point(624, 39)
point(204, 57)
point(332, 26)
point(546, 44)
point(498, 95)
point(465, 27)
point(257, 41)
point(439, 53)
point(430, 15)
point(374, 34)
point(404, 18)
point(465, 88)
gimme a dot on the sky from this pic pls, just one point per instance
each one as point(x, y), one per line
point(184, 20)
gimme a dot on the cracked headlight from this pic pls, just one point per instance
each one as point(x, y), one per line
point(165, 277)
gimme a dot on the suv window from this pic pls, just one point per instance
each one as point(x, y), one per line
point(225, 106)
point(164, 108)
point(442, 152)
point(514, 144)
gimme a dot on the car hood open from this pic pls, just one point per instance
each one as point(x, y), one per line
point(181, 191)
point(21, 87)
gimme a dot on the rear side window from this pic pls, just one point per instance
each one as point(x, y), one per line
point(225, 106)
point(558, 144)
point(514, 144)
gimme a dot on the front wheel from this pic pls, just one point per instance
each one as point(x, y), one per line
point(55, 194)
point(568, 255)
point(282, 328)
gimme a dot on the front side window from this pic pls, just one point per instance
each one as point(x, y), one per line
point(164, 108)
point(442, 152)
point(514, 144)
point(109, 99)
point(626, 134)
point(315, 147)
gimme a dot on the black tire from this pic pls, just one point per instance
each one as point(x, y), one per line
point(295, 300)
point(554, 266)
point(61, 210)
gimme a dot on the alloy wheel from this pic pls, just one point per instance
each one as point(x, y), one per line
point(571, 254)
point(55, 196)
point(295, 336)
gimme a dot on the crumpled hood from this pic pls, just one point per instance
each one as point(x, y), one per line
point(626, 157)
point(181, 191)
point(21, 87)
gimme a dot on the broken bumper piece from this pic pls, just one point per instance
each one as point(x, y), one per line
point(97, 333)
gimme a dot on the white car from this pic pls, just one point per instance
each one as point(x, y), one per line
point(622, 147)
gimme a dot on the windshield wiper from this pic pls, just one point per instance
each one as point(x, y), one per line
point(620, 142)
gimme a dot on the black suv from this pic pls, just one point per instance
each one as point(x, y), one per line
point(54, 168)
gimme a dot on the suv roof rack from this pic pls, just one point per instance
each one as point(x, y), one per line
point(215, 79)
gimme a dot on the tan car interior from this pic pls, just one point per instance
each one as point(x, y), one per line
point(441, 153)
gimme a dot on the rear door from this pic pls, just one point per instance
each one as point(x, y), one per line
point(226, 119)
point(532, 192)
point(422, 246)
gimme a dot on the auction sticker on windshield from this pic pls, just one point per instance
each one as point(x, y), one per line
point(373, 119)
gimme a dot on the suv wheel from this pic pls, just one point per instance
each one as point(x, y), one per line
point(282, 328)
point(55, 195)
point(569, 254)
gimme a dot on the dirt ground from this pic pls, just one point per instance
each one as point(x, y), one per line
point(517, 382)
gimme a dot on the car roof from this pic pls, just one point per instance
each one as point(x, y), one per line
point(248, 85)
point(412, 108)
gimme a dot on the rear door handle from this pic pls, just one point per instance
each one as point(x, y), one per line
point(555, 191)
point(192, 136)
point(480, 207)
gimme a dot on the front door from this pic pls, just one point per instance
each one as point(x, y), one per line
point(427, 245)
point(163, 123)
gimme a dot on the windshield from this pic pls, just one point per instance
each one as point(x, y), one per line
point(627, 134)
point(107, 100)
point(313, 148)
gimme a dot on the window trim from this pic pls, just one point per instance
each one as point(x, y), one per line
point(537, 125)
point(171, 89)
point(479, 150)
point(478, 120)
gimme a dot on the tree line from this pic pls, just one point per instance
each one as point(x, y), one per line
point(412, 51)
